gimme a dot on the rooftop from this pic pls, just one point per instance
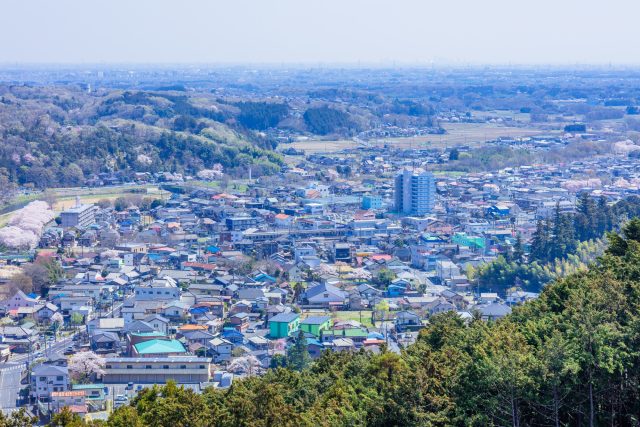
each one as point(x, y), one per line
point(315, 320)
point(284, 317)
point(159, 347)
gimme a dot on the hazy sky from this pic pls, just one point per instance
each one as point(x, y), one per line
point(320, 31)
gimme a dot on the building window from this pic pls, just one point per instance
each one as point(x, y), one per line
point(147, 367)
point(183, 366)
point(59, 378)
point(108, 366)
point(165, 367)
point(203, 367)
point(129, 367)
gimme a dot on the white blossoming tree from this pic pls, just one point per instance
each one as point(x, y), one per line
point(248, 364)
point(84, 366)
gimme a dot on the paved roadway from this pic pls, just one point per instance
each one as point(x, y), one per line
point(11, 372)
point(10, 376)
point(52, 348)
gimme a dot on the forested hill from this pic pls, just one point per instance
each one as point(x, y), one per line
point(572, 357)
point(61, 136)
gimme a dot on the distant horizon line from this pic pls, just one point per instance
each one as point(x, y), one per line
point(327, 65)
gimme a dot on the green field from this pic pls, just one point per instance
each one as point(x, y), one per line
point(355, 315)
point(458, 134)
point(234, 186)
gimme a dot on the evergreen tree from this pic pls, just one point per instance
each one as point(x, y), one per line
point(604, 218)
point(298, 355)
point(518, 250)
point(540, 243)
point(586, 217)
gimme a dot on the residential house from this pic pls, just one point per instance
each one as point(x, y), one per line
point(407, 320)
point(221, 349)
point(45, 379)
point(315, 325)
point(283, 325)
point(325, 295)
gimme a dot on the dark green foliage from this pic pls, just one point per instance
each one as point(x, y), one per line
point(261, 115)
point(575, 128)
point(554, 240)
point(500, 275)
point(410, 108)
point(384, 278)
point(156, 203)
point(188, 124)
point(298, 354)
point(325, 120)
point(17, 418)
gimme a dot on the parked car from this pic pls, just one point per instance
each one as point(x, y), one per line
point(120, 400)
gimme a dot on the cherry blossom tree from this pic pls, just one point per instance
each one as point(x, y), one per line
point(85, 365)
point(249, 364)
point(25, 226)
point(57, 321)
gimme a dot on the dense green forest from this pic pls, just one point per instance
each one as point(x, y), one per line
point(561, 244)
point(325, 120)
point(571, 357)
point(261, 115)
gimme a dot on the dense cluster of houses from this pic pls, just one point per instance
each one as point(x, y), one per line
point(211, 278)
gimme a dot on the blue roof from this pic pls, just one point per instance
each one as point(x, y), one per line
point(312, 341)
point(315, 320)
point(262, 277)
point(323, 288)
point(230, 331)
point(284, 317)
point(213, 249)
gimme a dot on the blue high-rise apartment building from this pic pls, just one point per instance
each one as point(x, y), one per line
point(415, 192)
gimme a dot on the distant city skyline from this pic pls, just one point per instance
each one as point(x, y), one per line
point(284, 32)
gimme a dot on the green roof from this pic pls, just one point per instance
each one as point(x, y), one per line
point(159, 347)
point(86, 386)
point(354, 332)
point(148, 334)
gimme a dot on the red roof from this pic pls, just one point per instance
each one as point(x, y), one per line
point(200, 265)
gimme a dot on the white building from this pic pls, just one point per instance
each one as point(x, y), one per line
point(161, 289)
point(80, 216)
point(45, 379)
point(414, 192)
